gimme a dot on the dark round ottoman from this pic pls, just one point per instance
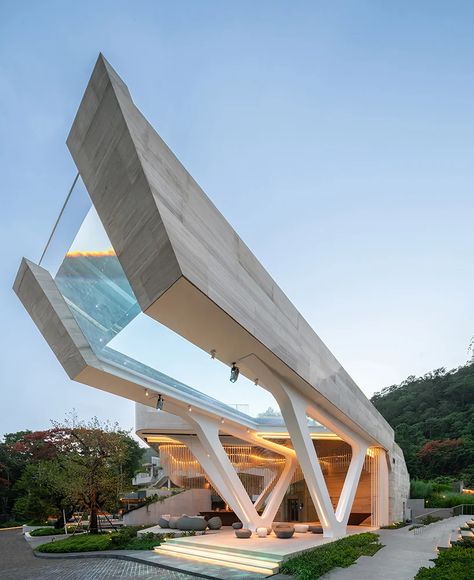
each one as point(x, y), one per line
point(237, 525)
point(315, 529)
point(284, 532)
point(243, 533)
point(214, 523)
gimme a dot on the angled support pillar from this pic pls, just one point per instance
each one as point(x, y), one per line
point(295, 409)
point(208, 450)
point(210, 453)
point(278, 492)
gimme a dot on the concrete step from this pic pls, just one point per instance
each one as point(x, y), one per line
point(219, 557)
point(266, 556)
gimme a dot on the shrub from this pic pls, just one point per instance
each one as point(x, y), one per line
point(341, 553)
point(457, 563)
point(47, 532)
point(420, 489)
point(124, 539)
point(394, 526)
point(82, 543)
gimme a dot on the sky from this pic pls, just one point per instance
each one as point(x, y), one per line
point(336, 137)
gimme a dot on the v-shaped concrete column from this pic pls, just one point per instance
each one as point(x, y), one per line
point(209, 451)
point(295, 408)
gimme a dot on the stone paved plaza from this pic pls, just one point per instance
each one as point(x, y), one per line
point(18, 563)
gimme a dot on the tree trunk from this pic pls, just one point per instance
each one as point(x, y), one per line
point(93, 523)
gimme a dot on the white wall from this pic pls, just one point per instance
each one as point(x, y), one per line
point(190, 502)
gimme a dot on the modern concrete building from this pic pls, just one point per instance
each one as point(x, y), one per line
point(330, 457)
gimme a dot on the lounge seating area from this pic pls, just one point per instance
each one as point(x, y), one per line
point(187, 523)
point(281, 530)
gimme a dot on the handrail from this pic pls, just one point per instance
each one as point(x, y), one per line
point(458, 510)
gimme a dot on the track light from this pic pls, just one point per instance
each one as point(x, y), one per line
point(234, 373)
point(159, 403)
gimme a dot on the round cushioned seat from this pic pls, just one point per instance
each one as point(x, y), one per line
point(214, 523)
point(316, 529)
point(237, 525)
point(284, 532)
point(172, 522)
point(243, 533)
point(187, 523)
point(301, 528)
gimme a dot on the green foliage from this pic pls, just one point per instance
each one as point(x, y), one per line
point(125, 539)
point(73, 466)
point(82, 543)
point(394, 526)
point(342, 553)
point(420, 489)
point(433, 419)
point(10, 524)
point(457, 563)
point(49, 531)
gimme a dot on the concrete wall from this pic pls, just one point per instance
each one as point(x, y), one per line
point(189, 502)
point(399, 484)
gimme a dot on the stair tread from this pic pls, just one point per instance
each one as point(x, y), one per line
point(266, 571)
point(234, 557)
point(227, 549)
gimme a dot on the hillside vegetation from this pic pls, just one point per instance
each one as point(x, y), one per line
point(433, 419)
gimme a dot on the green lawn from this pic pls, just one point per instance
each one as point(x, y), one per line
point(457, 563)
point(341, 553)
point(125, 539)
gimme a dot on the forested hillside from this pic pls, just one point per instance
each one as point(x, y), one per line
point(433, 418)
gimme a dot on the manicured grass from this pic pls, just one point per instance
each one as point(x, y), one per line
point(341, 553)
point(457, 563)
point(10, 524)
point(51, 531)
point(125, 539)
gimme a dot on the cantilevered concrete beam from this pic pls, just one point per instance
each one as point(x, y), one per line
point(188, 267)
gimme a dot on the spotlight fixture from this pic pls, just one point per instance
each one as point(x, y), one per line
point(222, 420)
point(234, 373)
point(147, 393)
point(256, 382)
point(213, 353)
point(190, 408)
point(159, 403)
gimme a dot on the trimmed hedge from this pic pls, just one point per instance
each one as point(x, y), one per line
point(341, 553)
point(125, 539)
point(457, 563)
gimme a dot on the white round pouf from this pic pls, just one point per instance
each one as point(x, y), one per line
point(301, 528)
point(262, 532)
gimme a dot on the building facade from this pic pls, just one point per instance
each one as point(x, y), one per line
point(173, 258)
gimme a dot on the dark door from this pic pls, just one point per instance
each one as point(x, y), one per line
point(292, 510)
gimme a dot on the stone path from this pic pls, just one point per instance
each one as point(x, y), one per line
point(404, 553)
point(18, 563)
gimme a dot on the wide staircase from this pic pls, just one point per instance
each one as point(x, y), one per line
point(237, 558)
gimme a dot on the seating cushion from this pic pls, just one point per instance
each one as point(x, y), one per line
point(187, 523)
point(172, 522)
point(284, 532)
point(301, 528)
point(214, 523)
point(237, 525)
point(163, 523)
point(243, 533)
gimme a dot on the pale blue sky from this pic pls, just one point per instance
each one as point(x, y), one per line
point(335, 136)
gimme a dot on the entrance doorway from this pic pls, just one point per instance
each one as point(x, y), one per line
point(293, 511)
